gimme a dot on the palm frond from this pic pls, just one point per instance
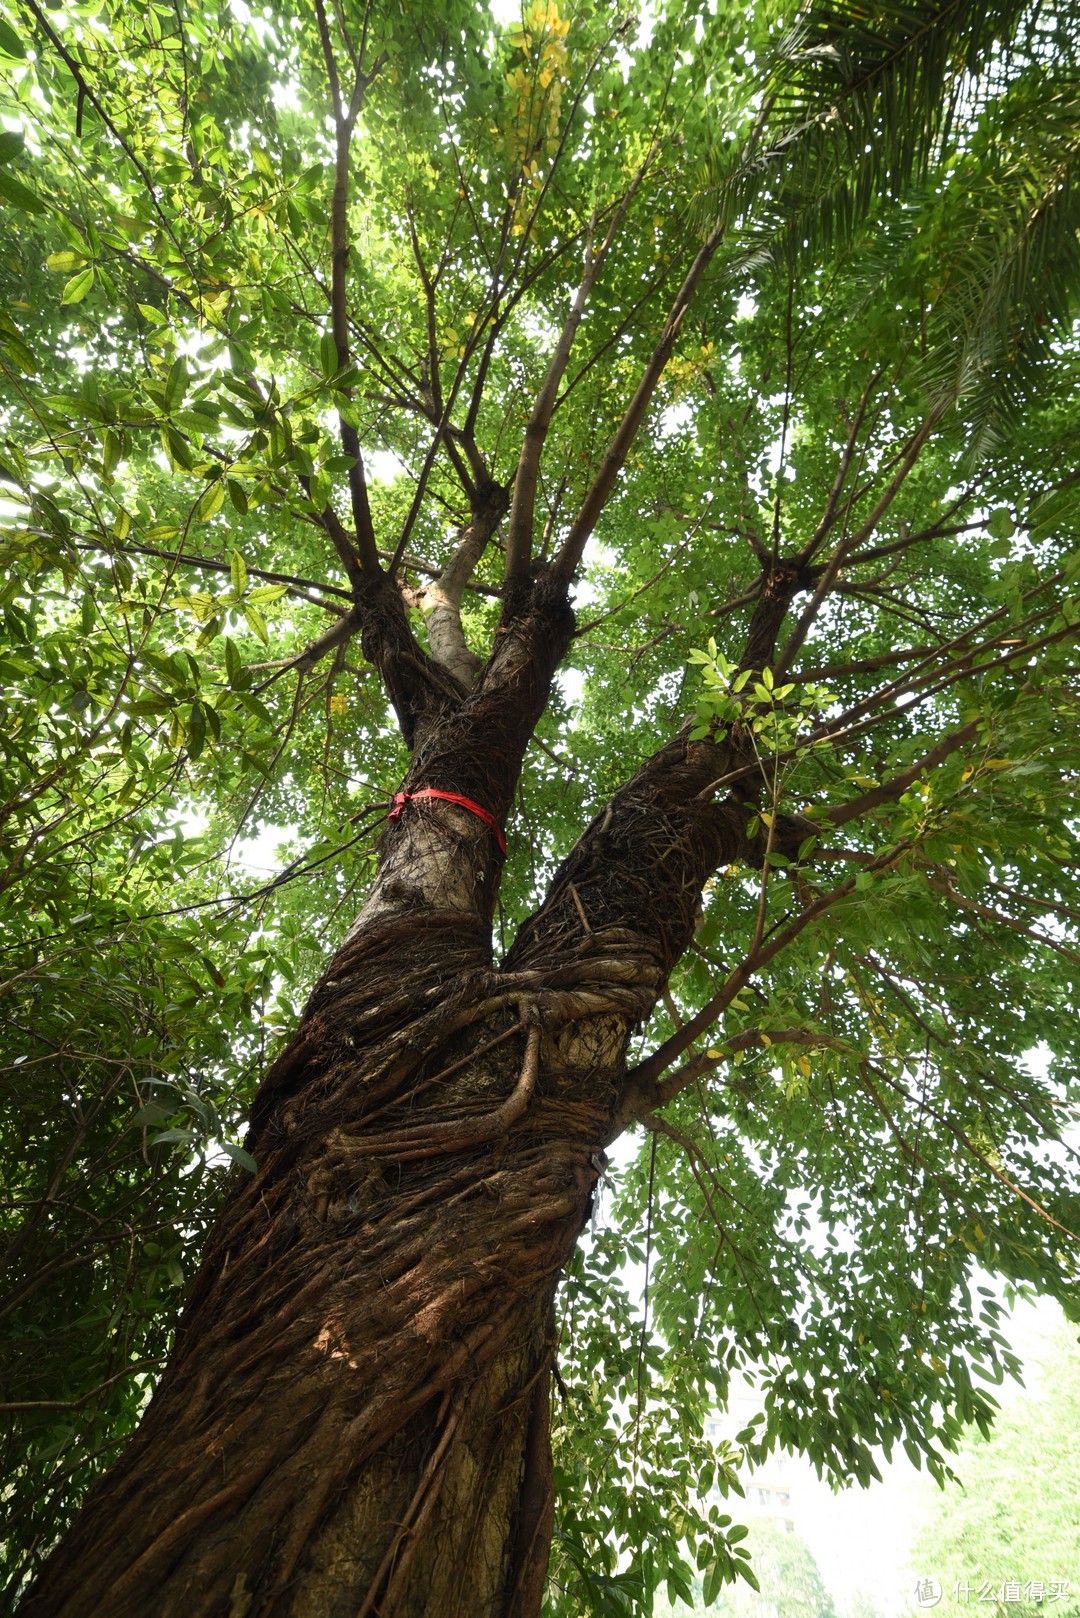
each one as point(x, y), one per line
point(1008, 232)
point(936, 147)
point(861, 104)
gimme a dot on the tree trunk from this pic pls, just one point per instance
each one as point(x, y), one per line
point(355, 1418)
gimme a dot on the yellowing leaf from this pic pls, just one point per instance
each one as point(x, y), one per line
point(237, 572)
point(78, 286)
point(64, 261)
point(210, 501)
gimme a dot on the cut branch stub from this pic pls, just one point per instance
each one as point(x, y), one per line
point(421, 693)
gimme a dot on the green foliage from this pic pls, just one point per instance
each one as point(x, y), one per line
point(1011, 1517)
point(788, 1582)
point(879, 375)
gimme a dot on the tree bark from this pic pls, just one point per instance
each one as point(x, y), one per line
point(354, 1419)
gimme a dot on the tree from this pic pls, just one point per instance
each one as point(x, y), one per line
point(1010, 1523)
point(788, 1582)
point(862, 1605)
point(376, 335)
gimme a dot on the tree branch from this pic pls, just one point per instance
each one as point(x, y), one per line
point(573, 548)
point(854, 808)
point(519, 534)
point(366, 557)
point(643, 1091)
point(213, 564)
point(943, 883)
point(832, 504)
point(862, 665)
point(836, 561)
point(441, 600)
point(338, 634)
point(86, 1398)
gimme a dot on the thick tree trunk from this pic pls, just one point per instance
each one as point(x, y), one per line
point(354, 1420)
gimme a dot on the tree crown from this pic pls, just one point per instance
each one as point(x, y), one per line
point(754, 328)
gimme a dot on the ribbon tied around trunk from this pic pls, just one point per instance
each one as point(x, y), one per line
point(401, 799)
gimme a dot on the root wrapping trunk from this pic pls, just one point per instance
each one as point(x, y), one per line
point(355, 1417)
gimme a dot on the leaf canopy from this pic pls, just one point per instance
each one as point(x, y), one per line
point(838, 250)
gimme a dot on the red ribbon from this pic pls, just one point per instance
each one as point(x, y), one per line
point(402, 798)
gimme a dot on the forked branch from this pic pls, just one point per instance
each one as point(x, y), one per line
point(345, 116)
point(573, 548)
point(441, 600)
point(519, 537)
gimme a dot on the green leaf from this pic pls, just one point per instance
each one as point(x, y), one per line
point(1001, 524)
point(79, 285)
point(328, 354)
point(254, 706)
point(196, 730)
point(18, 195)
point(155, 1112)
point(168, 1136)
point(176, 382)
point(238, 1155)
point(17, 350)
point(179, 449)
point(233, 663)
point(237, 572)
point(74, 237)
point(714, 1581)
point(12, 142)
point(111, 450)
point(210, 501)
point(256, 622)
point(10, 43)
point(745, 1571)
point(65, 262)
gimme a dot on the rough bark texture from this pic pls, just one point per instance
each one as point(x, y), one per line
point(354, 1420)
